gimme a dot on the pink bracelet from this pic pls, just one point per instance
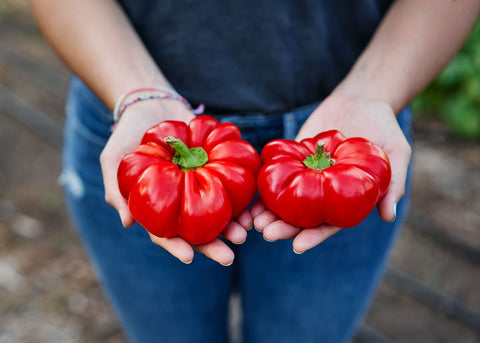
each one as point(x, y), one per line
point(121, 105)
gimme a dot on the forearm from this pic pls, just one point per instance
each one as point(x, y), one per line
point(415, 41)
point(97, 42)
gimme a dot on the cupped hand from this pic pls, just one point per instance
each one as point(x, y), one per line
point(125, 138)
point(354, 117)
point(273, 228)
point(217, 250)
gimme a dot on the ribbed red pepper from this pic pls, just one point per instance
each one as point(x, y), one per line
point(325, 179)
point(189, 180)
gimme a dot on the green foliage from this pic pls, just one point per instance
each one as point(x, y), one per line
point(455, 93)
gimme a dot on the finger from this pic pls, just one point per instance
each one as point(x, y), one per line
point(261, 221)
point(257, 208)
point(121, 205)
point(126, 217)
point(311, 237)
point(217, 251)
point(112, 193)
point(245, 219)
point(235, 232)
point(176, 246)
point(280, 230)
point(115, 199)
point(387, 206)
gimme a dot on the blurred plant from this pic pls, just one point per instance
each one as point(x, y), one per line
point(9, 6)
point(455, 93)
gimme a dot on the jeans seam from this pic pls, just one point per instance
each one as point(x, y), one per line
point(86, 133)
point(100, 110)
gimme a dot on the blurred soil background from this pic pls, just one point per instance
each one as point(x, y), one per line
point(48, 291)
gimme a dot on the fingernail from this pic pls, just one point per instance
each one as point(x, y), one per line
point(240, 242)
point(265, 238)
point(187, 262)
point(298, 252)
point(121, 218)
point(394, 212)
point(227, 265)
point(251, 227)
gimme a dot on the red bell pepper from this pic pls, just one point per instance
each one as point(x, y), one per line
point(189, 180)
point(325, 179)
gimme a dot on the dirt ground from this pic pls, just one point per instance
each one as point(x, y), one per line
point(48, 291)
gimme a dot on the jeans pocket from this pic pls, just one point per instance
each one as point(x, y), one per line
point(87, 115)
point(94, 104)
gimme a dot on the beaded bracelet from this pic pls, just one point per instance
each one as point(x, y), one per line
point(166, 93)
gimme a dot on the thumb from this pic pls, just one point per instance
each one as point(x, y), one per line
point(112, 193)
point(117, 201)
point(124, 212)
point(387, 206)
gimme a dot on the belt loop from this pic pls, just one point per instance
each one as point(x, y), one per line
point(289, 126)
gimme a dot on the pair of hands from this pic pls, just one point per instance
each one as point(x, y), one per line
point(354, 117)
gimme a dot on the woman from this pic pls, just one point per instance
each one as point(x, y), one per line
point(278, 69)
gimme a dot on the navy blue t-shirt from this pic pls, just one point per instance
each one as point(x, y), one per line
point(255, 55)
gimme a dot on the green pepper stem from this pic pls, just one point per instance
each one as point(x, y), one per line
point(187, 158)
point(320, 160)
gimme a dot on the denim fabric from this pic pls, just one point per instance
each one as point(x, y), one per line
point(318, 296)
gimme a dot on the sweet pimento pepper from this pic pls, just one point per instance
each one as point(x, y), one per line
point(189, 180)
point(325, 179)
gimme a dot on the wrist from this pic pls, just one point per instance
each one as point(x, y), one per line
point(145, 114)
point(146, 94)
point(365, 83)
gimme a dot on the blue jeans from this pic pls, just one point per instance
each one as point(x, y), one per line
point(318, 296)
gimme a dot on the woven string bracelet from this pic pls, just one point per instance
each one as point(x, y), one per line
point(165, 93)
